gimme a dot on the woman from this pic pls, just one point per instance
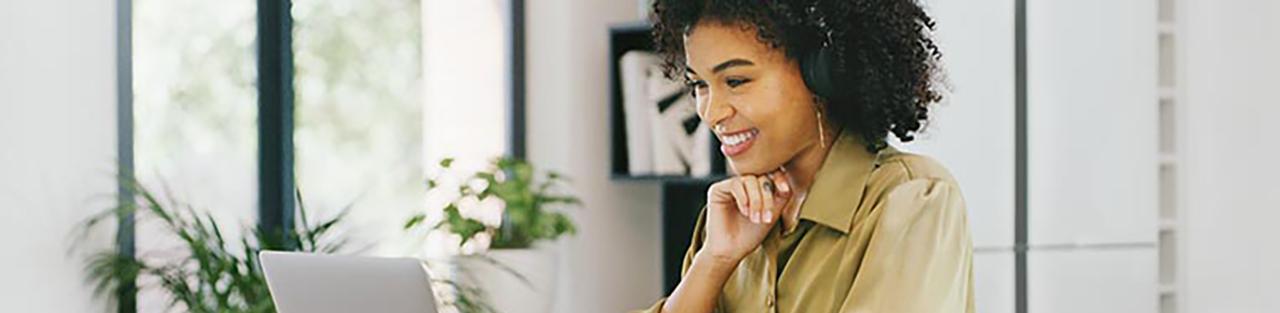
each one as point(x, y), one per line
point(823, 215)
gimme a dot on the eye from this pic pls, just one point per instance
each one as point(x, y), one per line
point(695, 86)
point(734, 82)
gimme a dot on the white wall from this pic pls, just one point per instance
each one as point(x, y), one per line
point(57, 146)
point(1232, 155)
point(613, 264)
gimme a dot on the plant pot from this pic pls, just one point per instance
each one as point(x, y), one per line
point(532, 291)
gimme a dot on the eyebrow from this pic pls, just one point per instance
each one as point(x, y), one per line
point(726, 65)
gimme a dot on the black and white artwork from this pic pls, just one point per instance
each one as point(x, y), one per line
point(664, 134)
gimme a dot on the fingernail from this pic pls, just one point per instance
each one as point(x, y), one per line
point(768, 216)
point(755, 217)
point(785, 187)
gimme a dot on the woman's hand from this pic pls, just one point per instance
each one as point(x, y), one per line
point(741, 210)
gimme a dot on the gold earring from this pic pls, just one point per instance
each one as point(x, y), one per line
point(822, 134)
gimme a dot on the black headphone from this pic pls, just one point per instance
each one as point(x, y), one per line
point(820, 75)
point(826, 76)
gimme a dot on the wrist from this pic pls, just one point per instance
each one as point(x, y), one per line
point(716, 260)
point(702, 283)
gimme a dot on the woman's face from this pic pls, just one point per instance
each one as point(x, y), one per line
point(753, 93)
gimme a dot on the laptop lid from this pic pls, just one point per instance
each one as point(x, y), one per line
point(311, 283)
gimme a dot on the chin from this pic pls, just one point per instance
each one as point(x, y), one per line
point(742, 167)
point(762, 158)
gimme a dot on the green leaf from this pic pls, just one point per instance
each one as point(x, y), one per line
point(415, 221)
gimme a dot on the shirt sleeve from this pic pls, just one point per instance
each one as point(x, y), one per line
point(920, 255)
point(695, 244)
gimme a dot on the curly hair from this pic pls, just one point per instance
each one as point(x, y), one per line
point(885, 49)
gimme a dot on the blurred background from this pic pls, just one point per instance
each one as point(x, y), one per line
point(1116, 156)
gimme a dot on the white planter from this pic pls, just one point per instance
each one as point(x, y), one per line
point(507, 293)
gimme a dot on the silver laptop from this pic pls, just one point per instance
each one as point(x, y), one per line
point(309, 283)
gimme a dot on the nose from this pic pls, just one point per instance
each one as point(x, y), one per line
point(715, 110)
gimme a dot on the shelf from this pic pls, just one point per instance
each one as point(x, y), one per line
point(1167, 158)
point(678, 179)
point(624, 38)
point(1167, 94)
point(1166, 28)
point(1168, 224)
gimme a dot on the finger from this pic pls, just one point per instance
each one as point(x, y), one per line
point(786, 191)
point(753, 194)
point(782, 181)
point(739, 195)
point(766, 184)
point(719, 191)
point(768, 206)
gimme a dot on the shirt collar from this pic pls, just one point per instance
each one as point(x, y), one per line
point(837, 188)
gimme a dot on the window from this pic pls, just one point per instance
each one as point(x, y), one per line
point(382, 91)
point(358, 123)
point(195, 113)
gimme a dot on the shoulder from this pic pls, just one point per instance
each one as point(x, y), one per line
point(896, 170)
point(908, 187)
point(898, 166)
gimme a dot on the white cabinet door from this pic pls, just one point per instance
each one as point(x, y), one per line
point(994, 282)
point(1092, 121)
point(1094, 281)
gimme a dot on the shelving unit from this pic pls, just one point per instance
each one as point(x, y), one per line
point(624, 38)
point(682, 196)
point(1169, 120)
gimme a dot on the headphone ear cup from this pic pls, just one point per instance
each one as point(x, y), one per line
point(816, 70)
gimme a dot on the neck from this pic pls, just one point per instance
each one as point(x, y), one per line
point(804, 167)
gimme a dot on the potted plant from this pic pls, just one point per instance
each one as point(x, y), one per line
point(504, 221)
point(206, 272)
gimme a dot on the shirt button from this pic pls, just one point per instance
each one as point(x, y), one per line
point(768, 301)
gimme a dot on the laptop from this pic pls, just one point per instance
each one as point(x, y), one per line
point(311, 283)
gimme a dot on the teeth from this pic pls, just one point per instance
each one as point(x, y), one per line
point(739, 138)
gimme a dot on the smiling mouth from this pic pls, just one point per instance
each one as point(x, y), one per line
point(737, 143)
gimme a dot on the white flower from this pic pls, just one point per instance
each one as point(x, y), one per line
point(439, 198)
point(477, 244)
point(467, 206)
point(478, 185)
point(490, 211)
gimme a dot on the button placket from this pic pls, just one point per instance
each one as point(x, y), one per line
point(771, 245)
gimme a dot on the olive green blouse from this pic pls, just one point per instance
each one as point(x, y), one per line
point(878, 233)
